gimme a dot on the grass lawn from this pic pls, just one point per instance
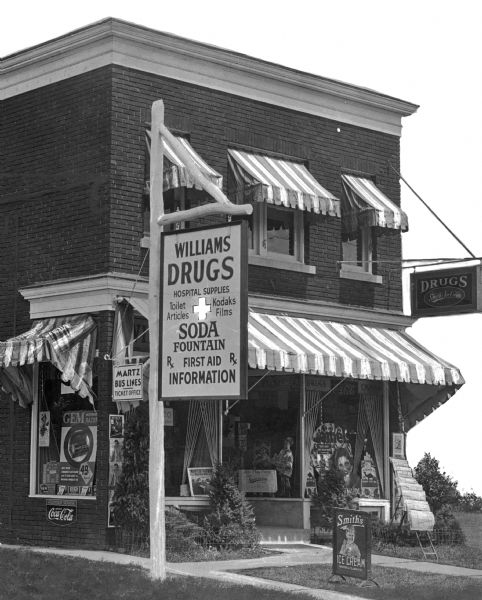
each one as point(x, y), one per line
point(461, 556)
point(395, 584)
point(27, 575)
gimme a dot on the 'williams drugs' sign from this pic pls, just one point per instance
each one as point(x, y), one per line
point(203, 313)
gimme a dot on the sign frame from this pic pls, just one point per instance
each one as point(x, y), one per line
point(444, 286)
point(62, 505)
point(199, 477)
point(257, 481)
point(361, 545)
point(135, 391)
point(243, 314)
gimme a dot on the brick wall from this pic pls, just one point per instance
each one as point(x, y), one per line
point(216, 121)
point(54, 186)
point(63, 159)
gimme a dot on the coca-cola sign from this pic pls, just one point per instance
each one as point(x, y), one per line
point(61, 512)
point(446, 292)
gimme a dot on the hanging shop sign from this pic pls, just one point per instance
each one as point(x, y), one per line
point(61, 512)
point(203, 314)
point(446, 292)
point(351, 543)
point(127, 382)
point(78, 451)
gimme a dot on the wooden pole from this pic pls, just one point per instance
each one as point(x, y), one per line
point(156, 407)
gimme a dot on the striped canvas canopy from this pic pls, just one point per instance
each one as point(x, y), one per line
point(175, 173)
point(300, 345)
point(260, 178)
point(69, 343)
point(365, 205)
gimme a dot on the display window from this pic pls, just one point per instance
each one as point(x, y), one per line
point(191, 442)
point(260, 440)
point(348, 440)
point(64, 439)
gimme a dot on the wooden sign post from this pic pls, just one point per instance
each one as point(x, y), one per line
point(221, 206)
point(156, 406)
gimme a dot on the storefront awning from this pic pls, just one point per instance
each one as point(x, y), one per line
point(69, 343)
point(260, 178)
point(299, 345)
point(331, 349)
point(365, 205)
point(175, 173)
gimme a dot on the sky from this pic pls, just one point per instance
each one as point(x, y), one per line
point(424, 51)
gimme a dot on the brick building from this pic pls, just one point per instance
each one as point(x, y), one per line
point(330, 365)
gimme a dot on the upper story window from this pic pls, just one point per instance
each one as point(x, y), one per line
point(180, 190)
point(358, 254)
point(281, 192)
point(364, 207)
point(277, 233)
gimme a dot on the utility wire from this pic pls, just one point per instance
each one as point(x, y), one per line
point(432, 211)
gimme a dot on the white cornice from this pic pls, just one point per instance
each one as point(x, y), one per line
point(82, 295)
point(117, 42)
point(329, 312)
point(99, 293)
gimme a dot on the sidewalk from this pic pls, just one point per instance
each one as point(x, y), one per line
point(288, 556)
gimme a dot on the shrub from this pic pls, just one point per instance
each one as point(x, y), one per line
point(470, 502)
point(182, 535)
point(131, 496)
point(330, 493)
point(447, 529)
point(231, 522)
point(439, 487)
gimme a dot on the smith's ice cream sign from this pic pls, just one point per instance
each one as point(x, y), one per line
point(203, 320)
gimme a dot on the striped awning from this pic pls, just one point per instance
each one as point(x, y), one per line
point(260, 178)
point(365, 205)
point(69, 343)
point(300, 345)
point(175, 173)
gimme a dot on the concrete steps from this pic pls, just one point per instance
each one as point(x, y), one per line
point(284, 535)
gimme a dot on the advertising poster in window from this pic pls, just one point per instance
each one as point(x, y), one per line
point(116, 426)
point(78, 451)
point(351, 543)
point(199, 480)
point(331, 450)
point(44, 429)
point(258, 481)
point(203, 314)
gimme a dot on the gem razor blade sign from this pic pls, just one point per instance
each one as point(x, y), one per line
point(203, 314)
point(446, 292)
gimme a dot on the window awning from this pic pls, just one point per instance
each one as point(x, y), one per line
point(365, 205)
point(175, 173)
point(69, 343)
point(299, 345)
point(260, 178)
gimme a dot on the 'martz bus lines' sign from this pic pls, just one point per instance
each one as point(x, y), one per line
point(446, 292)
point(203, 320)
